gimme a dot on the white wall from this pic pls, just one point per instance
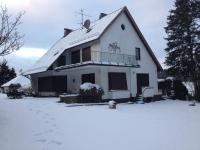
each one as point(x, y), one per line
point(128, 40)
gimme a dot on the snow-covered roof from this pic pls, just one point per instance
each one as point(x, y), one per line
point(75, 38)
point(22, 80)
point(81, 36)
point(161, 80)
point(170, 78)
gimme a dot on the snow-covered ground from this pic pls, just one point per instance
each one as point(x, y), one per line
point(43, 124)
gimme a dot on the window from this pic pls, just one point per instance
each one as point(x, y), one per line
point(88, 78)
point(61, 61)
point(123, 27)
point(45, 84)
point(137, 53)
point(117, 81)
point(75, 57)
point(86, 54)
point(52, 84)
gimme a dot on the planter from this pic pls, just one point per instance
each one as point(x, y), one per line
point(90, 99)
point(69, 99)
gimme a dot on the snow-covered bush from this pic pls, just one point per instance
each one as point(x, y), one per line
point(91, 92)
point(14, 91)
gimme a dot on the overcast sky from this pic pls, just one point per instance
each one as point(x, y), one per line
point(44, 21)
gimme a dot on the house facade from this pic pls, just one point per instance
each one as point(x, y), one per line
point(110, 52)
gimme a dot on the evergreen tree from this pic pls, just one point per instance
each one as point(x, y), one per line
point(183, 41)
point(6, 74)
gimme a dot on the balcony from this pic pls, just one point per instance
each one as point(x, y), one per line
point(105, 58)
point(113, 58)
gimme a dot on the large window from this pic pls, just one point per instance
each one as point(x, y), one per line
point(52, 84)
point(117, 81)
point(75, 57)
point(86, 54)
point(137, 53)
point(88, 78)
point(61, 61)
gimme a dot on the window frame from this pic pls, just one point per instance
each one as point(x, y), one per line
point(83, 77)
point(86, 54)
point(138, 53)
point(61, 61)
point(114, 81)
point(75, 60)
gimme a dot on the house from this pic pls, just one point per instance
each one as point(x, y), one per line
point(110, 52)
point(22, 80)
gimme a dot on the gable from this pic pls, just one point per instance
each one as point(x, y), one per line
point(129, 39)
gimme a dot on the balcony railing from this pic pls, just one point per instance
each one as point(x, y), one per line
point(106, 58)
point(113, 58)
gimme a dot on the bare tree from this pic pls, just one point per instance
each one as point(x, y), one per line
point(10, 38)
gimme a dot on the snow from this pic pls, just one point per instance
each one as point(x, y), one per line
point(190, 87)
point(170, 78)
point(22, 80)
point(88, 86)
point(73, 39)
point(43, 124)
point(68, 95)
point(161, 80)
point(111, 103)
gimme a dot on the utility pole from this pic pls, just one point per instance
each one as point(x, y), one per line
point(82, 14)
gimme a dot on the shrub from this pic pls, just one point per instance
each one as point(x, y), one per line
point(14, 91)
point(176, 89)
point(90, 92)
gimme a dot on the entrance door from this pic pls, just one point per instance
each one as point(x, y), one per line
point(142, 80)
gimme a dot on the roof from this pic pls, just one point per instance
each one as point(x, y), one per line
point(22, 80)
point(81, 36)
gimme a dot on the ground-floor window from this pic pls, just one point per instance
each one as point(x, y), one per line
point(52, 84)
point(117, 81)
point(88, 78)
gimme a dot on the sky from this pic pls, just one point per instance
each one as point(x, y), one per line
point(44, 21)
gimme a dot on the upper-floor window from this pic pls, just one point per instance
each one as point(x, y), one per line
point(137, 53)
point(123, 26)
point(86, 54)
point(75, 57)
point(61, 61)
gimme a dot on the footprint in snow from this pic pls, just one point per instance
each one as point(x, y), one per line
point(56, 142)
point(48, 131)
point(54, 125)
point(47, 122)
point(38, 134)
point(41, 140)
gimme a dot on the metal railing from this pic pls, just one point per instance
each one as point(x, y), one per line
point(107, 58)
point(113, 58)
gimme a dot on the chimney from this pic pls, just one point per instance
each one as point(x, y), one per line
point(67, 31)
point(102, 15)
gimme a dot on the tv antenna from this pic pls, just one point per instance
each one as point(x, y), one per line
point(82, 14)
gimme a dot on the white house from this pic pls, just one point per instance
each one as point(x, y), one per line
point(110, 51)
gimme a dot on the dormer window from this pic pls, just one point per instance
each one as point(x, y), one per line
point(61, 61)
point(86, 54)
point(75, 57)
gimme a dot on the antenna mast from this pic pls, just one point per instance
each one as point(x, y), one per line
point(82, 14)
